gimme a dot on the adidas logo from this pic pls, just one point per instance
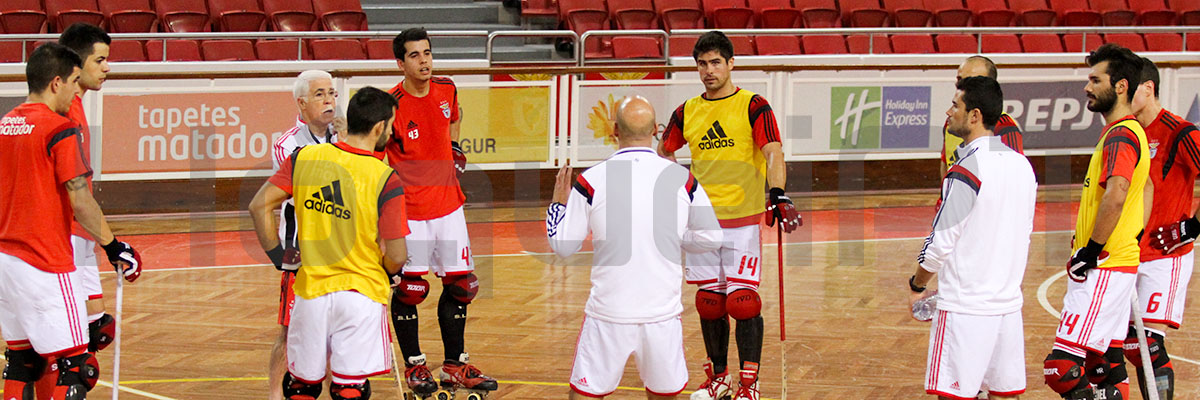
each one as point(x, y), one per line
point(328, 200)
point(412, 130)
point(716, 138)
point(954, 386)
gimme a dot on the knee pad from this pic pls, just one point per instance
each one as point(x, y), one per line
point(79, 373)
point(462, 287)
point(295, 389)
point(24, 365)
point(1064, 374)
point(1155, 344)
point(411, 291)
point(101, 333)
point(360, 391)
point(743, 304)
point(710, 305)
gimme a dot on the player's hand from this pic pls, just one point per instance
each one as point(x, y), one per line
point(1085, 259)
point(780, 208)
point(124, 258)
point(1174, 235)
point(562, 184)
point(460, 158)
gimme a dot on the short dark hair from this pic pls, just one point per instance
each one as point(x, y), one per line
point(368, 107)
point(82, 38)
point(1122, 64)
point(713, 40)
point(987, 63)
point(405, 36)
point(47, 62)
point(985, 94)
point(1149, 74)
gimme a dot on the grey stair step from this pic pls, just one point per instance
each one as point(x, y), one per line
point(405, 2)
point(443, 26)
point(482, 12)
point(503, 53)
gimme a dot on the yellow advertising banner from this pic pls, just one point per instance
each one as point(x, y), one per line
point(193, 132)
point(505, 124)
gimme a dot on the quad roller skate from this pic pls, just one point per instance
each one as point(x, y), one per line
point(419, 381)
point(715, 387)
point(462, 381)
point(748, 383)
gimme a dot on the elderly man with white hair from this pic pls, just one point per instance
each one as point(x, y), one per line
point(316, 100)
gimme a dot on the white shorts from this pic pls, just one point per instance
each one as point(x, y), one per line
point(1162, 289)
point(1095, 311)
point(347, 328)
point(971, 352)
point(439, 244)
point(604, 348)
point(87, 270)
point(736, 265)
point(41, 308)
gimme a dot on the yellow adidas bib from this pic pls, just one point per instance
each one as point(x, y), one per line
point(725, 159)
point(1122, 246)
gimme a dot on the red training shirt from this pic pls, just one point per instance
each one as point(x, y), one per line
point(420, 150)
point(1174, 163)
point(85, 136)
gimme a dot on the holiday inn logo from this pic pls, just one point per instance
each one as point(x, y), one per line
point(873, 117)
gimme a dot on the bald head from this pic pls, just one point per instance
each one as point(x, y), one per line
point(635, 118)
point(977, 66)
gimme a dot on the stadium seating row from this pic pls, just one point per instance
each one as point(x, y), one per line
point(140, 16)
point(580, 15)
point(231, 50)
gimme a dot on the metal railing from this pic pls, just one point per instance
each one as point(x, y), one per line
point(491, 40)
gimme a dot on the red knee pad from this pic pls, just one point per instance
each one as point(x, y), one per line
point(743, 304)
point(462, 287)
point(1132, 349)
point(411, 290)
point(710, 305)
point(1063, 376)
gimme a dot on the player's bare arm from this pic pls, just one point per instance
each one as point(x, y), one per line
point(1147, 203)
point(395, 254)
point(662, 152)
point(776, 167)
point(455, 126)
point(1111, 205)
point(87, 211)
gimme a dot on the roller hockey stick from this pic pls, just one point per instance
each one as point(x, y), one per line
point(1148, 373)
point(782, 323)
point(116, 380)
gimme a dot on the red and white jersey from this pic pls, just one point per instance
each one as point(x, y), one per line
point(1174, 163)
point(642, 211)
point(41, 152)
point(420, 149)
point(980, 240)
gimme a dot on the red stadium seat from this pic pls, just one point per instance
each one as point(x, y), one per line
point(1042, 43)
point(63, 13)
point(776, 14)
point(182, 16)
point(1131, 41)
point(10, 52)
point(1033, 12)
point(632, 14)
point(1073, 42)
point(338, 49)
point(680, 14)
point(539, 8)
point(340, 15)
point(282, 49)
point(177, 50)
point(1193, 43)
point(863, 14)
point(777, 45)
point(1001, 43)
point(290, 15)
point(227, 50)
point(1075, 13)
point(908, 13)
point(129, 16)
point(127, 50)
point(22, 16)
point(823, 44)
point(728, 14)
point(868, 44)
point(1189, 11)
point(681, 46)
point(820, 14)
point(380, 49)
point(743, 45)
point(1163, 42)
point(991, 13)
point(1153, 13)
point(919, 43)
point(949, 12)
point(956, 43)
point(587, 15)
point(1115, 12)
point(238, 15)
point(626, 47)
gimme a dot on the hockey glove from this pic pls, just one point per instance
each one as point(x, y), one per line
point(1085, 259)
point(1172, 236)
point(460, 158)
point(780, 208)
point(124, 258)
point(284, 259)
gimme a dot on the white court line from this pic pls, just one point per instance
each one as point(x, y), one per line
point(1045, 302)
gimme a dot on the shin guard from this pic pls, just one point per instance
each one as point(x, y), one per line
point(716, 342)
point(749, 333)
point(77, 375)
point(404, 317)
point(359, 391)
point(24, 368)
point(452, 318)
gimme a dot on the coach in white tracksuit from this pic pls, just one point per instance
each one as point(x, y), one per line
point(643, 211)
point(978, 248)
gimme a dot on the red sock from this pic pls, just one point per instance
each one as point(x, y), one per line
point(45, 386)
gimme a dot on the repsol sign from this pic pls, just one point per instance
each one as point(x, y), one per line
point(1052, 114)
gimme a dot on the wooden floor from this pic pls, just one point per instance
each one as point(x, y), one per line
point(200, 323)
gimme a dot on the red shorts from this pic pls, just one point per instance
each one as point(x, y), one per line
point(287, 297)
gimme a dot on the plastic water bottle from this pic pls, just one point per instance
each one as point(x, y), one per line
point(924, 308)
